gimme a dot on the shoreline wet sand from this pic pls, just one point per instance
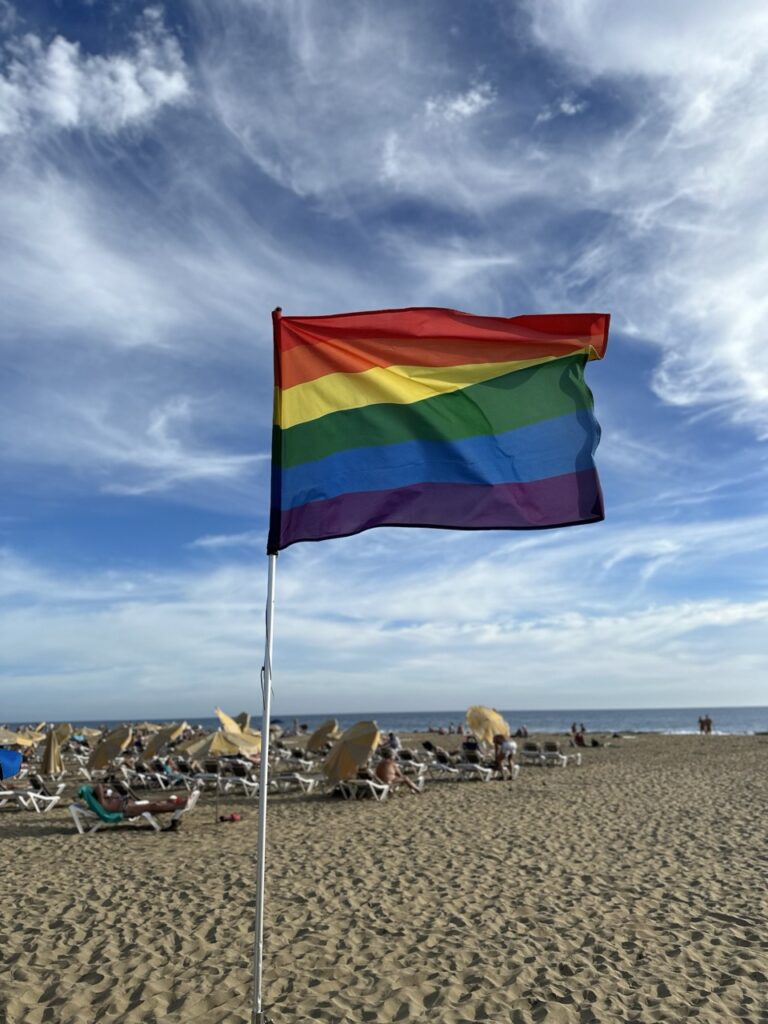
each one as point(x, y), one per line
point(629, 889)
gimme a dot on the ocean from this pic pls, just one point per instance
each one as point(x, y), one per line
point(726, 721)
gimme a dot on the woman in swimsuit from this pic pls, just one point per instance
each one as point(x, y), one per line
point(111, 800)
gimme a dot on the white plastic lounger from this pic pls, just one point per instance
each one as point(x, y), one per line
point(248, 787)
point(32, 799)
point(294, 780)
point(554, 756)
point(443, 768)
point(412, 768)
point(470, 770)
point(531, 754)
point(90, 821)
point(144, 780)
point(356, 789)
point(87, 820)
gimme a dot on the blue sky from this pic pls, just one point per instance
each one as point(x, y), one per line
point(172, 172)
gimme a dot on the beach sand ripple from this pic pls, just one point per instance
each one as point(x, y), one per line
point(631, 889)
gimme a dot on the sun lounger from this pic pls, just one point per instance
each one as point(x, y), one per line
point(460, 770)
point(238, 783)
point(88, 819)
point(553, 755)
point(410, 767)
point(471, 770)
point(442, 768)
point(89, 816)
point(532, 754)
point(37, 798)
point(144, 780)
point(284, 781)
point(212, 780)
point(28, 800)
point(303, 764)
point(356, 789)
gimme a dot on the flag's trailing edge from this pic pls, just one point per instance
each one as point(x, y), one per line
point(432, 417)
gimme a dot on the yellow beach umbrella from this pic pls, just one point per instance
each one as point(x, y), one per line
point(114, 743)
point(186, 745)
point(486, 723)
point(52, 762)
point(323, 734)
point(246, 742)
point(89, 732)
point(147, 727)
point(228, 724)
point(219, 744)
point(253, 736)
point(62, 731)
point(162, 739)
point(243, 720)
point(9, 738)
point(32, 736)
point(351, 751)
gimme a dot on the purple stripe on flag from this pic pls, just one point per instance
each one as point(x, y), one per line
point(557, 501)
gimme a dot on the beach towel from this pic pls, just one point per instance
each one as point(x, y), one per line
point(86, 794)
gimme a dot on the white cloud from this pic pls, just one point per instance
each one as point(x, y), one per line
point(164, 457)
point(567, 106)
point(690, 39)
point(682, 261)
point(59, 87)
point(385, 114)
point(449, 267)
point(463, 616)
point(130, 445)
point(461, 106)
point(678, 253)
point(248, 539)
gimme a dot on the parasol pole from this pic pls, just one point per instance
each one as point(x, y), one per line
point(261, 850)
point(218, 790)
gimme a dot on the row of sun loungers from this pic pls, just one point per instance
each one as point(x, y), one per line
point(289, 772)
point(548, 754)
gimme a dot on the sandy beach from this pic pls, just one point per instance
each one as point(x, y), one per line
point(629, 889)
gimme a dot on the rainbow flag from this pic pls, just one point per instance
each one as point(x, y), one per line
point(432, 417)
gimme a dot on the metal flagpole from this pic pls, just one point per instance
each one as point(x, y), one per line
point(266, 689)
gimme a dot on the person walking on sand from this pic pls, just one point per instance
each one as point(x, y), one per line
point(504, 750)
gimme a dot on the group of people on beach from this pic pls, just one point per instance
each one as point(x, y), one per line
point(501, 758)
point(705, 725)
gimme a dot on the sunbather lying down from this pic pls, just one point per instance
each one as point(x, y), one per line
point(113, 801)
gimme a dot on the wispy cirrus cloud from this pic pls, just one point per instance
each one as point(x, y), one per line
point(681, 261)
point(567, 106)
point(158, 198)
point(463, 607)
point(247, 539)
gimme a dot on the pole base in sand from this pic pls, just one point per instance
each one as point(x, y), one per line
point(261, 1018)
